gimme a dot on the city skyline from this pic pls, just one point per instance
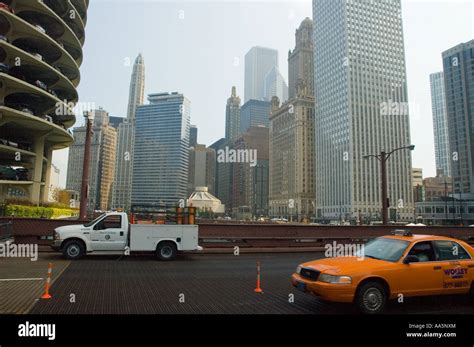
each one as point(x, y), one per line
point(118, 70)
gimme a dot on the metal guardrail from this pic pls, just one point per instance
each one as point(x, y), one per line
point(6, 231)
point(298, 241)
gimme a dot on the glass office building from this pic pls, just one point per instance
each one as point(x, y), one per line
point(254, 113)
point(161, 153)
point(259, 61)
point(440, 123)
point(458, 65)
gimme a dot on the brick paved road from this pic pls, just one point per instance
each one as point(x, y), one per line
point(212, 284)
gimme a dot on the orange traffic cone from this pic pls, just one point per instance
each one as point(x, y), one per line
point(48, 283)
point(258, 289)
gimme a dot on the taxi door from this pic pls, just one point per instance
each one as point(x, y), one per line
point(457, 267)
point(422, 277)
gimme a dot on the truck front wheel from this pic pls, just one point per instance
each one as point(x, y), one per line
point(166, 251)
point(73, 250)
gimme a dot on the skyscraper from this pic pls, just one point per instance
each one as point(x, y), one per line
point(115, 121)
point(274, 85)
point(458, 65)
point(232, 116)
point(193, 136)
point(254, 113)
point(259, 61)
point(160, 158)
point(137, 87)
point(102, 167)
point(249, 194)
point(222, 176)
point(301, 59)
point(202, 166)
point(125, 141)
point(360, 74)
point(292, 186)
point(440, 123)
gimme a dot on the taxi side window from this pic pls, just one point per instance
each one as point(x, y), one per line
point(450, 250)
point(424, 251)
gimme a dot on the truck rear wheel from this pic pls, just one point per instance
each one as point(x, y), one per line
point(73, 250)
point(166, 251)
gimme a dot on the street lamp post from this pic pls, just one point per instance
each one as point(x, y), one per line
point(382, 158)
point(89, 117)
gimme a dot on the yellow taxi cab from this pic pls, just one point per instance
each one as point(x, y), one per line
point(389, 267)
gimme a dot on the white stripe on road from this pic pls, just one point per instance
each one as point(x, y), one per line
point(20, 279)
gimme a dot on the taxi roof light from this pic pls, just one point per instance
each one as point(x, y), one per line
point(400, 232)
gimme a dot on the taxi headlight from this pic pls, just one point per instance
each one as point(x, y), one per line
point(57, 236)
point(335, 279)
point(298, 270)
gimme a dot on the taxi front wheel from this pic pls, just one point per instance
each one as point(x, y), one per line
point(371, 298)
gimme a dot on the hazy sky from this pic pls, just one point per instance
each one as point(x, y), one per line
point(197, 48)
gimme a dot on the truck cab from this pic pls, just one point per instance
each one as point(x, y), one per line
point(111, 233)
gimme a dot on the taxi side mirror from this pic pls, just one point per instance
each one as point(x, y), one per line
point(410, 259)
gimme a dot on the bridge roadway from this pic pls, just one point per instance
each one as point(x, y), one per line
point(195, 284)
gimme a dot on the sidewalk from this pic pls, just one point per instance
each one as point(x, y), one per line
point(22, 281)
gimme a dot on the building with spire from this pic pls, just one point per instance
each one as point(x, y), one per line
point(126, 138)
point(232, 116)
point(137, 87)
point(300, 60)
point(292, 187)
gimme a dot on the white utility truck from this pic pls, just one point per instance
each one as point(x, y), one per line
point(111, 233)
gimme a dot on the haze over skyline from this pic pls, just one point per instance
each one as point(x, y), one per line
point(197, 48)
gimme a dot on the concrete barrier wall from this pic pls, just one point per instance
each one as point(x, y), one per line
point(28, 230)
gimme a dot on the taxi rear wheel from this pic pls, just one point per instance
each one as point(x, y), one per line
point(371, 298)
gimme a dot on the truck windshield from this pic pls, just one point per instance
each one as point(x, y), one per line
point(384, 249)
point(94, 221)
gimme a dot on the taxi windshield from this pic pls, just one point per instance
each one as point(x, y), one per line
point(385, 249)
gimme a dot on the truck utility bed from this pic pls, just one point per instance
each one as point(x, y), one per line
point(145, 237)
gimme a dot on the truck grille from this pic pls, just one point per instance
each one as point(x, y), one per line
point(310, 274)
